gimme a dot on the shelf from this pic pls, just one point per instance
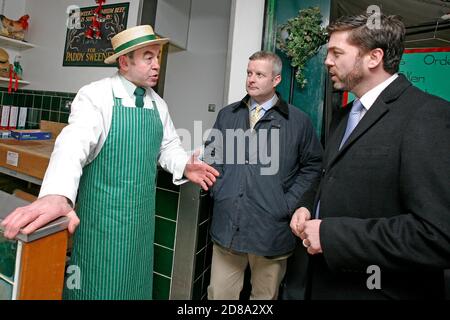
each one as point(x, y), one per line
point(2, 79)
point(15, 44)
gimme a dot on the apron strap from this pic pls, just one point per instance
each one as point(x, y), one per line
point(117, 101)
point(155, 107)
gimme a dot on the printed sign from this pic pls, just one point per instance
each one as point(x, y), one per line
point(428, 69)
point(12, 158)
point(81, 51)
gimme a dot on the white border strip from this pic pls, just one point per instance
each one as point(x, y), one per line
point(6, 279)
point(17, 270)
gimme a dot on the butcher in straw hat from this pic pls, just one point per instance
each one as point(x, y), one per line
point(106, 160)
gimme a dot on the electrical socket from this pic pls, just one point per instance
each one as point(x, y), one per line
point(68, 104)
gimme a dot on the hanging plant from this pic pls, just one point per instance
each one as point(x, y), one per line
point(300, 38)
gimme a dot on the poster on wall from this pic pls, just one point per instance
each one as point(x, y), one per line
point(80, 50)
point(426, 68)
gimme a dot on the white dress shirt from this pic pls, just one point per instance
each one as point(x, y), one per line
point(368, 99)
point(265, 106)
point(90, 120)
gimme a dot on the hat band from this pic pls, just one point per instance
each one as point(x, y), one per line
point(131, 43)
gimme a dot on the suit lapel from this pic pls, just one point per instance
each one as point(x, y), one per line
point(336, 137)
point(377, 111)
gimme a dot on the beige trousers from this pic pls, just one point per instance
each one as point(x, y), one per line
point(227, 275)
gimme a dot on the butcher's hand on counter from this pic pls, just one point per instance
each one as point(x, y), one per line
point(37, 214)
point(200, 172)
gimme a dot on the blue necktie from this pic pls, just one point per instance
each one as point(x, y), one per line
point(352, 122)
point(139, 93)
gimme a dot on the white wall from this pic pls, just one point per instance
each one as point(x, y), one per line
point(43, 65)
point(211, 71)
point(14, 9)
point(196, 77)
point(246, 29)
point(172, 20)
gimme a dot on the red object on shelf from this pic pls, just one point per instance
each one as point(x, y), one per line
point(13, 75)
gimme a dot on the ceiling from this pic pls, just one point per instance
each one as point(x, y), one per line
point(427, 22)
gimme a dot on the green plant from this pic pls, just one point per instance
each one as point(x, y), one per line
point(300, 38)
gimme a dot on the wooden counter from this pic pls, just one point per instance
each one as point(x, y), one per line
point(29, 158)
point(32, 266)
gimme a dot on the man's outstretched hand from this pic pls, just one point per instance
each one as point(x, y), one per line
point(29, 218)
point(199, 172)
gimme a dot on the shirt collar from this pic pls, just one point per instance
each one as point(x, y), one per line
point(124, 89)
point(128, 86)
point(368, 99)
point(266, 105)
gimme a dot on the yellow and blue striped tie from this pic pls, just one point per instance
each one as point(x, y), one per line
point(255, 116)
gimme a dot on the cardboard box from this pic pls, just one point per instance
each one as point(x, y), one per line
point(31, 135)
point(5, 134)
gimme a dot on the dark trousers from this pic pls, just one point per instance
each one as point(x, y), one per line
point(294, 284)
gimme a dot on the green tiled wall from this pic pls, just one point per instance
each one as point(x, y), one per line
point(8, 251)
point(42, 105)
point(199, 262)
point(161, 287)
point(164, 257)
point(165, 182)
point(166, 205)
point(7, 257)
point(165, 232)
point(203, 252)
point(202, 237)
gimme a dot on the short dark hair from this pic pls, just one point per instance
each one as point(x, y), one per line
point(389, 36)
point(277, 65)
point(129, 55)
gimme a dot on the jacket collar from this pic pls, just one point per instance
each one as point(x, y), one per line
point(281, 106)
point(395, 89)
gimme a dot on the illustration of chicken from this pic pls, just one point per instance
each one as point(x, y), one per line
point(14, 28)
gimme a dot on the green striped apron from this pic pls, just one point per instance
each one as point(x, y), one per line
point(113, 245)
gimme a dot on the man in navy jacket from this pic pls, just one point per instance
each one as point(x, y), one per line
point(268, 155)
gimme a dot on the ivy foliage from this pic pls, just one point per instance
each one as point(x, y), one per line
point(300, 38)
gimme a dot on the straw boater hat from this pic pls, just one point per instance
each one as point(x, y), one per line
point(132, 39)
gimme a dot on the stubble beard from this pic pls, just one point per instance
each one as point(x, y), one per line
point(352, 79)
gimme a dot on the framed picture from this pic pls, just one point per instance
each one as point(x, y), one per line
point(79, 50)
